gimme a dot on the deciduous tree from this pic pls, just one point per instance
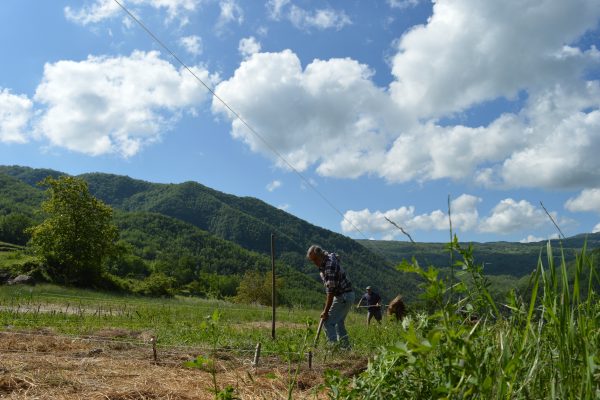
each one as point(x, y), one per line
point(256, 287)
point(77, 234)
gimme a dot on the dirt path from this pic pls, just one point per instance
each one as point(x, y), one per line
point(42, 365)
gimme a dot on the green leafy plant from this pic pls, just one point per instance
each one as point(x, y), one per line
point(211, 326)
point(546, 347)
point(77, 234)
point(200, 362)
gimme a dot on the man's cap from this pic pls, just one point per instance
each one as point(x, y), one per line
point(368, 287)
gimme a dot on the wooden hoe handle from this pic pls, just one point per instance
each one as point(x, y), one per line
point(318, 332)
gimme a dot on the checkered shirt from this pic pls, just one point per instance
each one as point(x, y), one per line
point(333, 275)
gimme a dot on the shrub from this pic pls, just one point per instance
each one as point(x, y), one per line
point(156, 285)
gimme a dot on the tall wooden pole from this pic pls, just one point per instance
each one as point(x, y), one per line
point(273, 284)
point(451, 251)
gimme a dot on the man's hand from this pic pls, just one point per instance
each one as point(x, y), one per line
point(325, 315)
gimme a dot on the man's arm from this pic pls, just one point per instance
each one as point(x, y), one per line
point(328, 302)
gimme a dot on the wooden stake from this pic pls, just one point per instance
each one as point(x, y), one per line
point(273, 284)
point(153, 341)
point(256, 355)
point(310, 359)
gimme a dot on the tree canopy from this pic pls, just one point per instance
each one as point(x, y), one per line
point(77, 233)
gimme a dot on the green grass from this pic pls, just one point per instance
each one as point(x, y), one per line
point(9, 247)
point(539, 344)
point(10, 257)
point(175, 322)
point(544, 344)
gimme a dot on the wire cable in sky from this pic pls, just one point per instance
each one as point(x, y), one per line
point(239, 117)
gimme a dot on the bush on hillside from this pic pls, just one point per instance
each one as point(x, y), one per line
point(255, 288)
point(156, 285)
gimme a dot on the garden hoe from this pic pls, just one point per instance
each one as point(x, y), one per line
point(318, 332)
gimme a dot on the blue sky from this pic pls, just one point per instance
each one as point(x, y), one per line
point(383, 109)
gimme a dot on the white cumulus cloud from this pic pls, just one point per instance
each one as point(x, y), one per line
point(320, 19)
point(331, 116)
point(531, 239)
point(507, 217)
point(510, 216)
point(94, 13)
point(15, 113)
point(561, 131)
point(596, 228)
point(323, 18)
point(249, 46)
point(230, 12)
point(105, 9)
point(430, 151)
point(466, 53)
point(329, 113)
point(114, 104)
point(464, 218)
point(588, 200)
point(275, 8)
point(550, 143)
point(192, 44)
point(273, 185)
point(402, 3)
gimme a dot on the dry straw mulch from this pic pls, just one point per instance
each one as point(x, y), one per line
point(42, 365)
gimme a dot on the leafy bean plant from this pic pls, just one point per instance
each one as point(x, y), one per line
point(471, 347)
point(211, 325)
point(297, 354)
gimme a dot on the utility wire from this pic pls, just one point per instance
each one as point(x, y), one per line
point(238, 116)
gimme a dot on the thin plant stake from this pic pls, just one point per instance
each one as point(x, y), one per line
point(256, 355)
point(273, 288)
point(451, 250)
point(153, 341)
point(552, 219)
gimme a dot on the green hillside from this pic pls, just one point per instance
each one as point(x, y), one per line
point(190, 254)
point(188, 229)
point(18, 204)
point(17, 196)
point(205, 240)
point(499, 258)
point(246, 222)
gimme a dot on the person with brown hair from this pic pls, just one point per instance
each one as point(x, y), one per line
point(397, 308)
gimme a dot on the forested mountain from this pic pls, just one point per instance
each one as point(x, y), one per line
point(190, 254)
point(156, 218)
point(499, 258)
point(17, 196)
point(18, 205)
point(195, 233)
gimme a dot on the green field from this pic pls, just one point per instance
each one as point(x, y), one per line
point(540, 344)
point(175, 322)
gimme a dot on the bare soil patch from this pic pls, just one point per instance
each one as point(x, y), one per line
point(44, 365)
